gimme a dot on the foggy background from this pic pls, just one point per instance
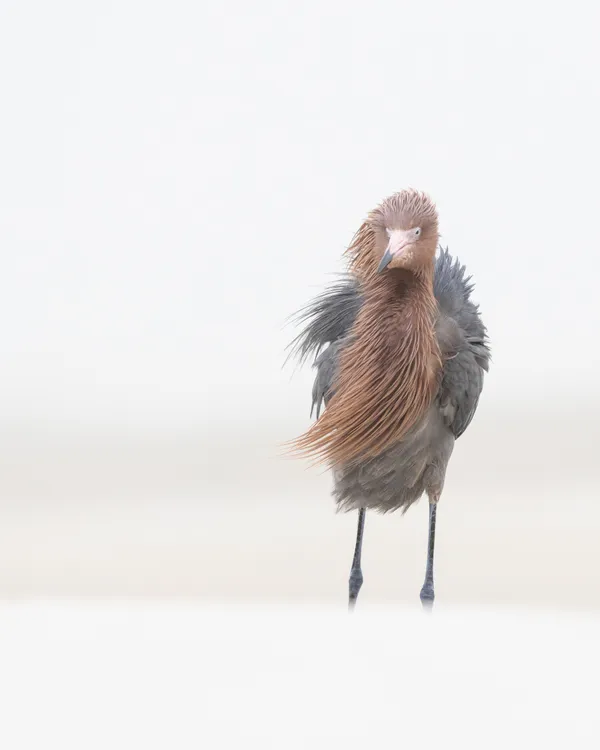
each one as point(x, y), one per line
point(179, 178)
point(176, 179)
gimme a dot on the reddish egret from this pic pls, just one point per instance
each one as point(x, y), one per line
point(402, 370)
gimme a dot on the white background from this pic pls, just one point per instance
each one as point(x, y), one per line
point(175, 180)
point(179, 177)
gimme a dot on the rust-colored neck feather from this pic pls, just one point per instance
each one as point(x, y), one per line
point(388, 374)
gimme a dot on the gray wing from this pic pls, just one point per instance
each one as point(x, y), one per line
point(463, 340)
point(327, 322)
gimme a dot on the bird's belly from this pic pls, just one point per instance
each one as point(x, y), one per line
point(400, 475)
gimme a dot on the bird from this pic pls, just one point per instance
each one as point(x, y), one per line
point(400, 352)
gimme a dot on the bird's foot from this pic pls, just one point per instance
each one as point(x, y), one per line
point(427, 596)
point(354, 585)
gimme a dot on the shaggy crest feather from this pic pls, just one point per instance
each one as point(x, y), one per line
point(361, 252)
point(404, 210)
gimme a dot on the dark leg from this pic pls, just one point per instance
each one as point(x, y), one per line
point(427, 595)
point(356, 576)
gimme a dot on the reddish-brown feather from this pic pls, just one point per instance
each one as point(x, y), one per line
point(387, 376)
point(389, 373)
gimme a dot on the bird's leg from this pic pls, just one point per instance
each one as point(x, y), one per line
point(356, 576)
point(427, 594)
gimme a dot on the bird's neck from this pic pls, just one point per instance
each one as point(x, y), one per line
point(403, 301)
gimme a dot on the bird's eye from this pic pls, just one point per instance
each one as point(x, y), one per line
point(418, 232)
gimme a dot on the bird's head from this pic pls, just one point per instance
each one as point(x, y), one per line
point(405, 228)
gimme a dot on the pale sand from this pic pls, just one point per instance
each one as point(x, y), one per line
point(221, 516)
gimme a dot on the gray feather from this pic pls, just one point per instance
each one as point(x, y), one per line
point(327, 318)
point(326, 366)
point(418, 463)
